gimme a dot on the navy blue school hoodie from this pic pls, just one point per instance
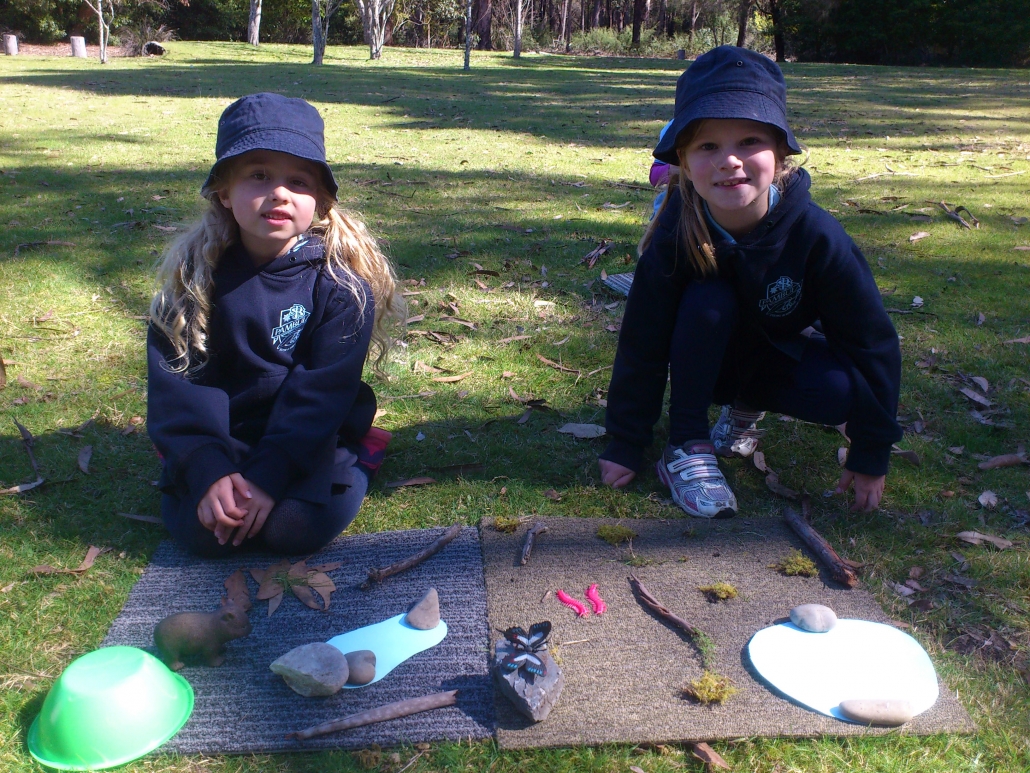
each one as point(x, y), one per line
point(797, 266)
point(282, 386)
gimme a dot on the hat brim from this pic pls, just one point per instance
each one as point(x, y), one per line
point(280, 141)
point(731, 103)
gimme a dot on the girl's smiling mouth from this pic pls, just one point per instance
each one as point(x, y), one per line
point(277, 216)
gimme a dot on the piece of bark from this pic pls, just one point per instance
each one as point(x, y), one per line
point(839, 570)
point(649, 601)
point(531, 535)
point(380, 714)
point(709, 756)
point(378, 575)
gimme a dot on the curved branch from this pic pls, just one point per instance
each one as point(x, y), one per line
point(378, 575)
point(380, 714)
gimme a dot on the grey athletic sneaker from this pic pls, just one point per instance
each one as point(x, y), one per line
point(698, 486)
point(736, 432)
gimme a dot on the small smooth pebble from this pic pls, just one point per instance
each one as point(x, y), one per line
point(362, 665)
point(814, 618)
point(870, 711)
point(425, 615)
point(313, 670)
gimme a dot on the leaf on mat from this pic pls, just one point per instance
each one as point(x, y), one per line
point(772, 482)
point(552, 494)
point(917, 236)
point(976, 538)
point(452, 379)
point(1005, 460)
point(307, 598)
point(909, 456)
point(976, 398)
point(323, 585)
point(275, 601)
point(84, 456)
point(326, 567)
point(842, 455)
point(236, 590)
point(582, 430)
point(270, 586)
point(758, 458)
point(708, 755)
point(556, 365)
point(423, 480)
point(981, 382)
point(988, 499)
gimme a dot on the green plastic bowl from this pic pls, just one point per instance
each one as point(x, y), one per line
point(108, 708)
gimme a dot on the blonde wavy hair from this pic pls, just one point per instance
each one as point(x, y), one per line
point(693, 224)
point(182, 306)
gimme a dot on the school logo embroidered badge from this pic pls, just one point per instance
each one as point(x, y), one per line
point(781, 297)
point(291, 323)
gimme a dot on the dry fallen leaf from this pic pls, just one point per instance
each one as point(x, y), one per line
point(557, 366)
point(917, 236)
point(708, 755)
point(419, 481)
point(976, 538)
point(758, 458)
point(582, 430)
point(3, 374)
point(236, 590)
point(452, 379)
point(772, 482)
point(917, 302)
point(1023, 340)
point(981, 382)
point(976, 398)
point(87, 563)
point(916, 572)
point(988, 500)
point(980, 319)
point(552, 494)
point(957, 450)
point(901, 590)
point(1005, 460)
point(842, 455)
point(84, 456)
point(909, 456)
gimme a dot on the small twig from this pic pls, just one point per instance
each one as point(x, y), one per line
point(698, 638)
point(910, 311)
point(378, 575)
point(411, 762)
point(954, 215)
point(531, 535)
point(380, 714)
point(47, 243)
point(27, 441)
point(576, 641)
point(840, 571)
point(391, 99)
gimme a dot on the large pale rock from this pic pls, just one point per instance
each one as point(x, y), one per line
point(425, 615)
point(534, 696)
point(813, 617)
point(870, 711)
point(313, 670)
point(362, 665)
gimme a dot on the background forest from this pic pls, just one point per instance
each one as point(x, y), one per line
point(982, 33)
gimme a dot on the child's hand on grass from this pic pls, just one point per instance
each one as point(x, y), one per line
point(219, 509)
point(868, 489)
point(615, 475)
point(257, 508)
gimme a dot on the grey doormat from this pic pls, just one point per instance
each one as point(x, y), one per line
point(243, 707)
point(624, 670)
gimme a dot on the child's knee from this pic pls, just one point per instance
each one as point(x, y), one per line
point(709, 306)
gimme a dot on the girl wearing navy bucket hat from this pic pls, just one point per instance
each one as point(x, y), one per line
point(265, 316)
point(746, 295)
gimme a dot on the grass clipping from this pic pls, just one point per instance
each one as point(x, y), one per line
point(797, 564)
point(711, 688)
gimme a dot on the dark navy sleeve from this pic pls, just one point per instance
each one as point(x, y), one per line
point(858, 328)
point(641, 367)
point(188, 422)
point(316, 396)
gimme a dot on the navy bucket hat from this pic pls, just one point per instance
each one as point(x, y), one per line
point(271, 122)
point(728, 82)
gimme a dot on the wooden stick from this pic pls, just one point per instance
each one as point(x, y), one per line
point(380, 714)
point(839, 571)
point(663, 612)
point(378, 575)
point(527, 546)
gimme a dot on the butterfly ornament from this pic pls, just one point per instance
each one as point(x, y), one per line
point(526, 646)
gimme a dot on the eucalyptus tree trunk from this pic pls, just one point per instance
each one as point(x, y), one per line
point(103, 23)
point(744, 13)
point(468, 34)
point(518, 29)
point(254, 22)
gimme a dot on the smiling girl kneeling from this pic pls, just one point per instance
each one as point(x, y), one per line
point(257, 341)
point(735, 270)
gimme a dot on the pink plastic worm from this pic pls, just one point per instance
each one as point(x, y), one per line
point(578, 606)
point(596, 601)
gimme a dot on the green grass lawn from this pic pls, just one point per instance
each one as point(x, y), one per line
point(518, 168)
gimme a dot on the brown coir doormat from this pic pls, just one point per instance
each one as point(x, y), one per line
point(242, 707)
point(624, 670)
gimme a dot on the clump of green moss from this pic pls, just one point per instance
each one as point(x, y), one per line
point(635, 560)
point(615, 535)
point(720, 591)
point(506, 523)
point(711, 688)
point(797, 564)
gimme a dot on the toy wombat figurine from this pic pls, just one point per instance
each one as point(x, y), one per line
point(201, 634)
